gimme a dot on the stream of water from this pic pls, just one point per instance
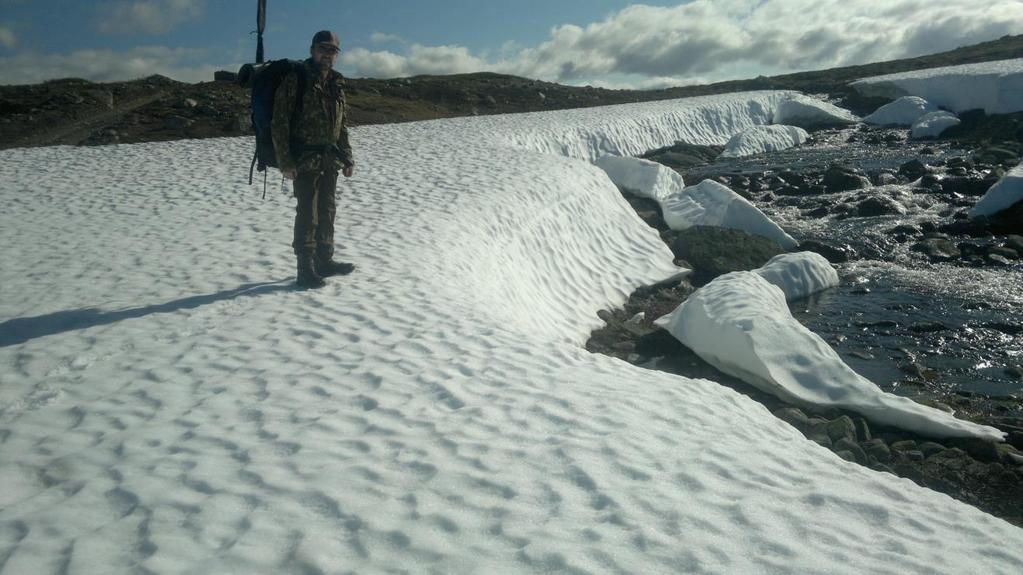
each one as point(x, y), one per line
point(911, 326)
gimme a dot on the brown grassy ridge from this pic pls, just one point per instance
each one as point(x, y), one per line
point(75, 112)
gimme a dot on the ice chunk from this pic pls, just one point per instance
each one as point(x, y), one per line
point(1002, 195)
point(933, 124)
point(807, 112)
point(799, 274)
point(760, 139)
point(902, 112)
point(740, 324)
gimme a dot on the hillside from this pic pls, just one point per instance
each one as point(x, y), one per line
point(79, 112)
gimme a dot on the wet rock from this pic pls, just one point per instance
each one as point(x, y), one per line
point(979, 449)
point(794, 417)
point(903, 445)
point(715, 251)
point(1014, 242)
point(967, 186)
point(1015, 371)
point(659, 343)
point(877, 449)
point(846, 444)
point(928, 327)
point(819, 212)
point(913, 169)
point(842, 428)
point(835, 255)
point(886, 179)
point(843, 179)
point(937, 249)
point(997, 260)
point(879, 206)
point(862, 429)
point(1005, 252)
point(929, 448)
point(847, 455)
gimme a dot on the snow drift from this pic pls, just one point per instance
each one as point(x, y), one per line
point(1002, 195)
point(172, 405)
point(706, 204)
point(740, 324)
point(995, 87)
point(760, 139)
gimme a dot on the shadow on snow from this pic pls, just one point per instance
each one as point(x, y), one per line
point(22, 329)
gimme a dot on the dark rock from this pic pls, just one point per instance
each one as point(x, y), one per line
point(879, 206)
point(928, 327)
point(997, 260)
point(794, 417)
point(1014, 242)
point(929, 448)
point(1005, 252)
point(842, 428)
point(842, 179)
point(225, 76)
point(818, 212)
point(846, 444)
point(877, 449)
point(835, 255)
point(715, 251)
point(979, 449)
point(659, 343)
point(967, 186)
point(937, 249)
point(913, 169)
point(847, 455)
point(903, 445)
point(862, 429)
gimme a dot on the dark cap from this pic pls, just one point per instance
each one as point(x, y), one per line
point(326, 37)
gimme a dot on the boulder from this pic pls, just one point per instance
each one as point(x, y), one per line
point(715, 251)
point(913, 169)
point(879, 206)
point(842, 179)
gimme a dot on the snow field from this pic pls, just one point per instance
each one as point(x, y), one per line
point(170, 404)
point(995, 87)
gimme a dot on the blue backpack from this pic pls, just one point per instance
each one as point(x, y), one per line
point(264, 79)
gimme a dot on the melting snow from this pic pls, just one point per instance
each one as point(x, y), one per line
point(170, 404)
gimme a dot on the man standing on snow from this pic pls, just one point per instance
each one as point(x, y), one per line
point(311, 148)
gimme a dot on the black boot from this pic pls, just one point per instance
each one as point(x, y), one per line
point(307, 277)
point(326, 266)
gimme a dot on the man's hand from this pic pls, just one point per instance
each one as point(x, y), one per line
point(348, 171)
point(290, 174)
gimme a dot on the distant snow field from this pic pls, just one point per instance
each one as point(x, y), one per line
point(170, 404)
point(995, 87)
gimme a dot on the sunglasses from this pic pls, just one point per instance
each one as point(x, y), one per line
point(327, 49)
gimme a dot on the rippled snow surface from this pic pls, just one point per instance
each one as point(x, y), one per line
point(169, 404)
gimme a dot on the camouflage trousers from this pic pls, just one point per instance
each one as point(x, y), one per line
point(314, 213)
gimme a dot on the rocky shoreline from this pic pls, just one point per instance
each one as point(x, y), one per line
point(986, 475)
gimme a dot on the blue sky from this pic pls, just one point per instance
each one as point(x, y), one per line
point(601, 42)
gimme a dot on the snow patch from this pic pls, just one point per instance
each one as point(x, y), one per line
point(996, 87)
point(760, 139)
point(642, 177)
point(902, 112)
point(931, 125)
point(809, 113)
point(1006, 192)
point(799, 274)
point(740, 323)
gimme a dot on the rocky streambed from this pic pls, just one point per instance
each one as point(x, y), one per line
point(929, 305)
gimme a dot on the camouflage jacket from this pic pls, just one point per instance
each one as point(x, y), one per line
point(319, 137)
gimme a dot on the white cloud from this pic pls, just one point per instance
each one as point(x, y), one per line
point(147, 16)
point(381, 38)
point(417, 60)
point(712, 39)
point(181, 64)
point(7, 37)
